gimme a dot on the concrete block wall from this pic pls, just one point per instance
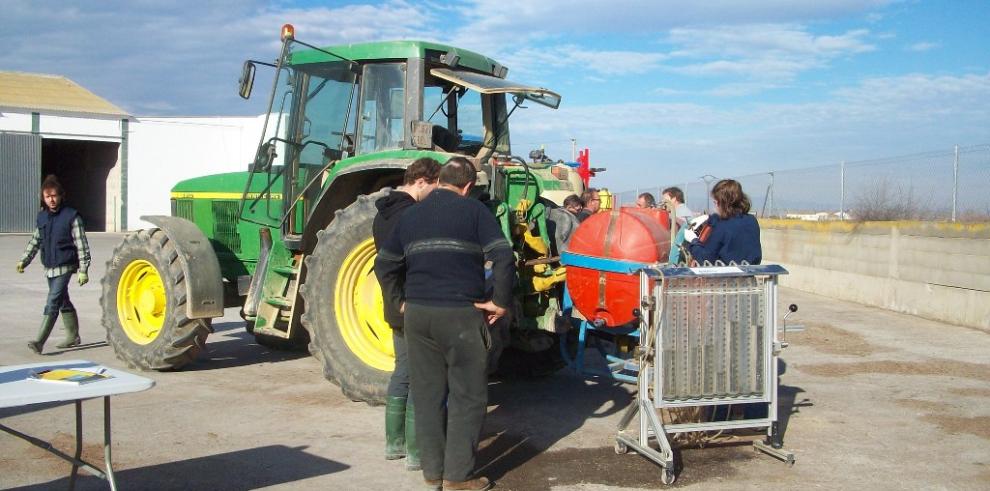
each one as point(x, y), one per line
point(939, 271)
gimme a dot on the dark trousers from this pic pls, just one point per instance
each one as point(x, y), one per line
point(398, 384)
point(58, 295)
point(447, 358)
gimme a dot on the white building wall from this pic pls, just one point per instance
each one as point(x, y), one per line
point(164, 151)
point(13, 121)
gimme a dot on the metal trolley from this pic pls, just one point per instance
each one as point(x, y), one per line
point(708, 338)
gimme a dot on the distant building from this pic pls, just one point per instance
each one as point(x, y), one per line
point(51, 125)
point(115, 167)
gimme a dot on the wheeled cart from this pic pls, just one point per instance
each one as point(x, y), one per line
point(708, 338)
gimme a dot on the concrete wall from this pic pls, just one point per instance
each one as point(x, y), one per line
point(939, 271)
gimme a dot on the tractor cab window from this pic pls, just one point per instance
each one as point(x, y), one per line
point(456, 110)
point(324, 132)
point(382, 107)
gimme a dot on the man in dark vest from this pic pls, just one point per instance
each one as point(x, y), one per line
point(420, 180)
point(439, 247)
point(64, 250)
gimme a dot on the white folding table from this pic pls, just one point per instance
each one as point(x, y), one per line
point(17, 389)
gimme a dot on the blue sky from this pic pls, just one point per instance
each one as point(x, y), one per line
point(661, 91)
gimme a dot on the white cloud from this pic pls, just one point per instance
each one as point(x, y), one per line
point(530, 60)
point(186, 53)
point(922, 47)
point(876, 117)
point(761, 51)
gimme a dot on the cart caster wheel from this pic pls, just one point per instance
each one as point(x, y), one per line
point(668, 477)
point(620, 448)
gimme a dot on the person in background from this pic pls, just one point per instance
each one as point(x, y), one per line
point(645, 200)
point(676, 198)
point(563, 221)
point(592, 202)
point(574, 204)
point(420, 179)
point(440, 247)
point(735, 234)
point(61, 238)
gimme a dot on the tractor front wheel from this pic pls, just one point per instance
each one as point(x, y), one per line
point(144, 305)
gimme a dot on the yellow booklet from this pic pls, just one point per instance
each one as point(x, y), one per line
point(69, 376)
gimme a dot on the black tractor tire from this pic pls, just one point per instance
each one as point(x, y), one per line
point(180, 339)
point(350, 229)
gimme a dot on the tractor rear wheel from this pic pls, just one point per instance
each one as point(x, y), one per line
point(144, 305)
point(344, 308)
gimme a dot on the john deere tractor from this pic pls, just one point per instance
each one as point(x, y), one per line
point(289, 240)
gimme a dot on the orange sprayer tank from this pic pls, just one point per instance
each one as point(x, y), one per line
point(627, 234)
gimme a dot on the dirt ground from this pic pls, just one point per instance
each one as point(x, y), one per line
point(870, 399)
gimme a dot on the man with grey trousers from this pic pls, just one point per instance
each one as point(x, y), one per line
point(439, 247)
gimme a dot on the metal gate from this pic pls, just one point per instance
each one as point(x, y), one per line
point(20, 178)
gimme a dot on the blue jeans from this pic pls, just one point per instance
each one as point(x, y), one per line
point(58, 295)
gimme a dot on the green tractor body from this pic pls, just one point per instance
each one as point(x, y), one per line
point(289, 239)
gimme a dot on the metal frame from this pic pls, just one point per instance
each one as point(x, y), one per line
point(650, 397)
point(76, 458)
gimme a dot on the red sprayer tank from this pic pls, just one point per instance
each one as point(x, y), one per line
point(629, 234)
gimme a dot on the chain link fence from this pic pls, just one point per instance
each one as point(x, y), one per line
point(952, 185)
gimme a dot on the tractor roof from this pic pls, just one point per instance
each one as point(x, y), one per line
point(396, 50)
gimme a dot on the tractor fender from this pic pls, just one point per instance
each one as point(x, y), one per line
point(204, 289)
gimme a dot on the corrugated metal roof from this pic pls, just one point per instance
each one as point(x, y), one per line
point(40, 92)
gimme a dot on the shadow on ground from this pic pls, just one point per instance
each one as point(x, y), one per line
point(232, 471)
point(236, 348)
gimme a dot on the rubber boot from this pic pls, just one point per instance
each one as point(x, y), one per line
point(47, 322)
point(412, 450)
point(71, 323)
point(395, 431)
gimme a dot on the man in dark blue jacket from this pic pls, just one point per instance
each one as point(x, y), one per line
point(420, 180)
point(440, 246)
point(61, 238)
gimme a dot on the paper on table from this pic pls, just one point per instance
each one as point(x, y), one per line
point(69, 376)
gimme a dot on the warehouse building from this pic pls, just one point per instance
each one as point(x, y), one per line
point(51, 125)
point(115, 167)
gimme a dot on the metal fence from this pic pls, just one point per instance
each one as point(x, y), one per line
point(950, 185)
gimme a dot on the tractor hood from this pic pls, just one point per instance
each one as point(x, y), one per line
point(487, 84)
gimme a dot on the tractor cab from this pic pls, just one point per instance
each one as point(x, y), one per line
point(332, 110)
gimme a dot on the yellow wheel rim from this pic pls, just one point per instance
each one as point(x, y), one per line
point(360, 309)
point(141, 301)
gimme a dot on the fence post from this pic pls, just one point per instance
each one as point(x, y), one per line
point(771, 194)
point(842, 190)
point(955, 182)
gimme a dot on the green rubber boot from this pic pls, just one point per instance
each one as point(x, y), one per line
point(71, 323)
point(395, 431)
point(47, 322)
point(412, 450)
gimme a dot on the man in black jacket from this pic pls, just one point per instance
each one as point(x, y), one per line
point(400, 435)
point(440, 246)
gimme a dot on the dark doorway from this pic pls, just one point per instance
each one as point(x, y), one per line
point(83, 168)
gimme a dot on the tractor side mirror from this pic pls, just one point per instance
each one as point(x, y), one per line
point(246, 81)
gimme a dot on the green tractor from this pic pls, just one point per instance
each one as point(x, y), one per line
point(289, 240)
